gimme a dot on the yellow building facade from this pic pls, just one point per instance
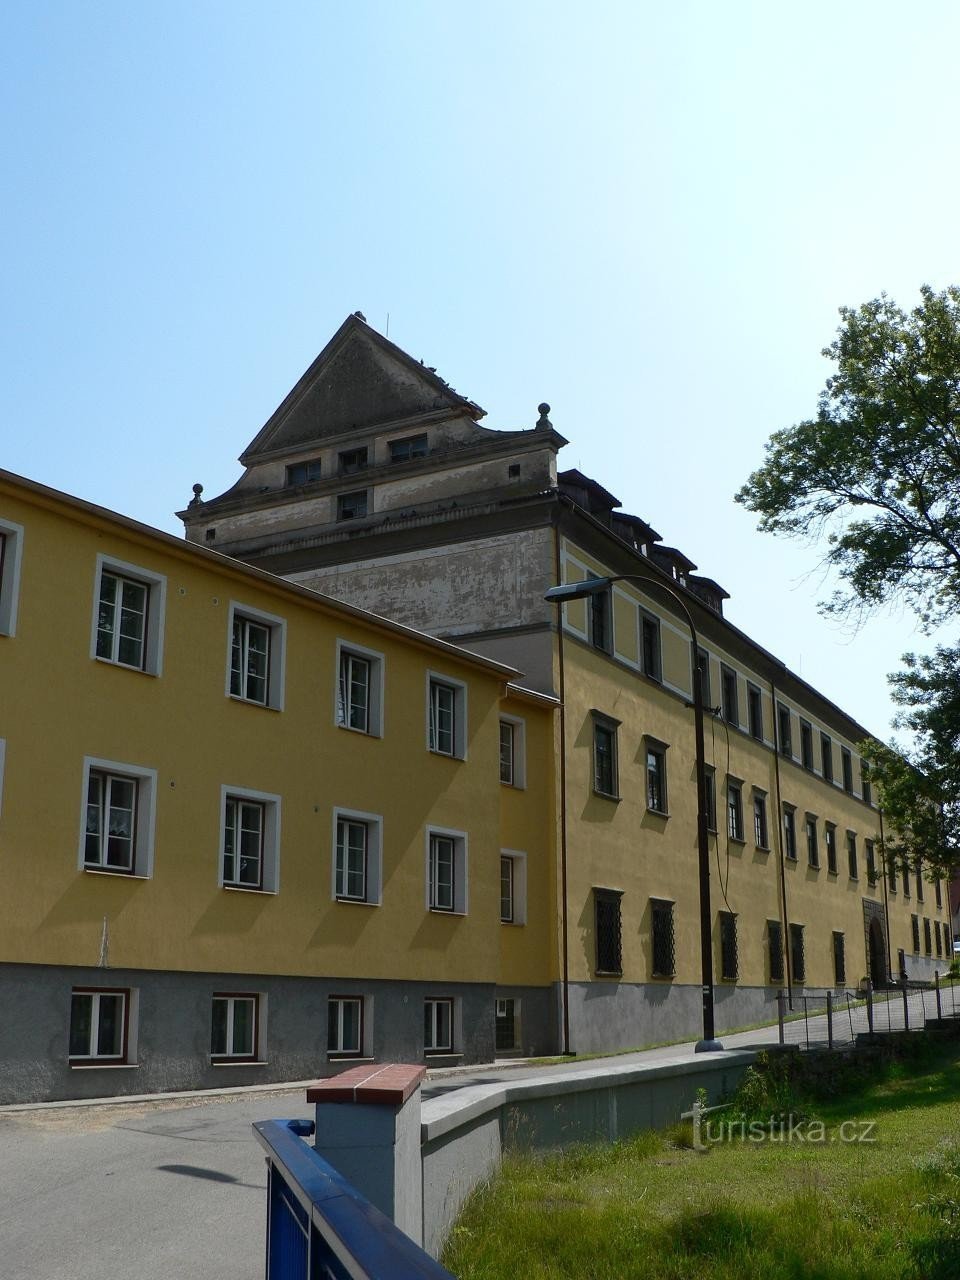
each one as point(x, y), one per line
point(250, 833)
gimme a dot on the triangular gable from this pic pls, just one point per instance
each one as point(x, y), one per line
point(359, 380)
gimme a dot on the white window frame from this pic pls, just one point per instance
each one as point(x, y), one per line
point(456, 1029)
point(230, 1059)
point(10, 576)
point(459, 688)
point(277, 659)
point(270, 851)
point(519, 862)
point(519, 727)
point(363, 1050)
point(460, 887)
point(143, 840)
point(373, 887)
point(346, 649)
point(156, 585)
point(131, 1007)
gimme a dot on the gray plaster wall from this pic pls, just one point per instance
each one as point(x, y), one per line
point(173, 1033)
point(538, 1019)
point(624, 1015)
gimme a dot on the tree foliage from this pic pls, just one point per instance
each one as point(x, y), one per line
point(877, 472)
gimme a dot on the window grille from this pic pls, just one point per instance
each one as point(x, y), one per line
point(608, 930)
point(664, 964)
point(728, 946)
point(775, 945)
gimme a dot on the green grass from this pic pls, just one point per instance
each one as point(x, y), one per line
point(651, 1207)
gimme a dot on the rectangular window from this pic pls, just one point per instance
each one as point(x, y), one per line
point(710, 783)
point(601, 630)
point(789, 834)
point(656, 778)
point(352, 506)
point(234, 1032)
point(513, 887)
point(257, 647)
point(345, 1026)
point(927, 942)
point(664, 958)
point(351, 859)
point(852, 856)
point(110, 832)
point(99, 1024)
point(760, 833)
point(936, 936)
point(784, 737)
point(303, 472)
point(605, 780)
point(512, 751)
point(506, 753)
point(11, 555)
point(918, 872)
point(846, 764)
point(826, 757)
point(243, 833)
point(806, 744)
point(797, 959)
point(866, 786)
point(409, 448)
point(128, 615)
point(830, 835)
point(506, 1025)
point(650, 645)
point(249, 840)
point(446, 717)
point(703, 666)
point(735, 811)
point(938, 893)
point(915, 931)
point(359, 689)
point(118, 818)
point(755, 710)
point(839, 960)
point(905, 878)
point(775, 950)
point(729, 961)
point(608, 930)
point(813, 850)
point(352, 460)
point(446, 871)
point(891, 873)
point(871, 861)
point(730, 702)
point(438, 1026)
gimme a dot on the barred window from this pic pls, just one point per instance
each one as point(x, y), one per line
point(797, 958)
point(729, 961)
point(915, 930)
point(608, 930)
point(775, 950)
point(664, 960)
point(839, 960)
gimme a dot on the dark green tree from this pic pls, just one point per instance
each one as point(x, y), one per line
point(876, 477)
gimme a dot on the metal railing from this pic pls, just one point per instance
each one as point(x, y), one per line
point(319, 1227)
point(833, 1019)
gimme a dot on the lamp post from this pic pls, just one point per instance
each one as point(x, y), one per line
point(560, 595)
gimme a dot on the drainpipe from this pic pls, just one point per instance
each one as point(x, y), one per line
point(886, 902)
point(564, 950)
point(783, 875)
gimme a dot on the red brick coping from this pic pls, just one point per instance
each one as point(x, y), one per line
point(389, 1085)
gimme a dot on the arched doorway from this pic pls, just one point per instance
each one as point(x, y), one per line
point(878, 954)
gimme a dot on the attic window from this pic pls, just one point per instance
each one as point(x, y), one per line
point(303, 472)
point(409, 448)
point(353, 460)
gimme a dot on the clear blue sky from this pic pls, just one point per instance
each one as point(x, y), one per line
point(645, 214)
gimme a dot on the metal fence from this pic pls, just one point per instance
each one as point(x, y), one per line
point(319, 1227)
point(834, 1019)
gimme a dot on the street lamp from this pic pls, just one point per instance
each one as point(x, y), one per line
point(594, 586)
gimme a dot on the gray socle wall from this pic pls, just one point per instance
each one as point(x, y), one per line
point(174, 1024)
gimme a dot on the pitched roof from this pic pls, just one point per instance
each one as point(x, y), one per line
point(360, 379)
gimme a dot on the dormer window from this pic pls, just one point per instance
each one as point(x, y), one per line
point(352, 460)
point(303, 472)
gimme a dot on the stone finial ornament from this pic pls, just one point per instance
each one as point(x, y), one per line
point(196, 500)
point(543, 422)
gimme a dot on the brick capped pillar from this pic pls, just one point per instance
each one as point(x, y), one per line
point(368, 1128)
